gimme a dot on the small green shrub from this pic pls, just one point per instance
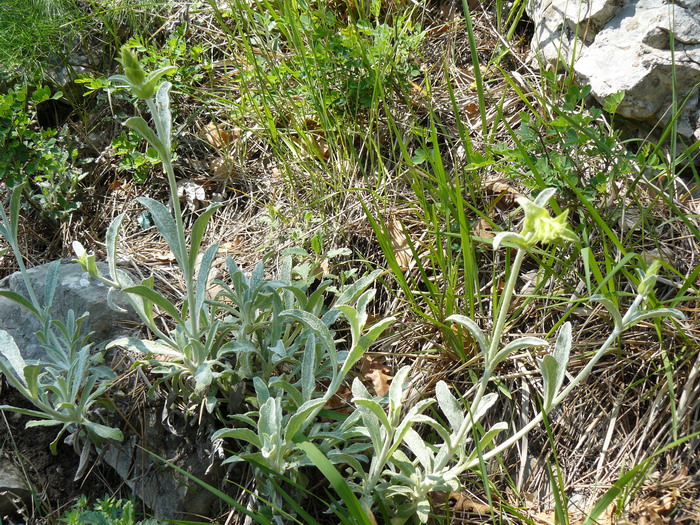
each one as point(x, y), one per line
point(573, 148)
point(37, 156)
point(106, 511)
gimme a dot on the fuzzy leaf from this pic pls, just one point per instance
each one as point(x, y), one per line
point(650, 314)
point(308, 368)
point(302, 417)
point(549, 368)
point(203, 378)
point(140, 125)
point(355, 289)
point(104, 431)
point(244, 434)
point(396, 392)
point(156, 299)
point(523, 342)
point(52, 274)
point(473, 329)
point(20, 299)
point(375, 409)
point(10, 351)
point(510, 240)
point(612, 309)
point(162, 117)
point(111, 245)
point(198, 229)
point(203, 278)
point(166, 226)
point(143, 346)
point(416, 444)
point(562, 350)
point(449, 405)
point(365, 342)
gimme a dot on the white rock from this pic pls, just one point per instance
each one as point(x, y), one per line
point(625, 45)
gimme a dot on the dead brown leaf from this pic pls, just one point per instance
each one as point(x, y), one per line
point(483, 229)
point(217, 136)
point(399, 245)
point(502, 195)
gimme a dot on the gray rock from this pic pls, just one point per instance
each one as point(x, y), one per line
point(14, 492)
point(76, 291)
point(168, 493)
point(625, 45)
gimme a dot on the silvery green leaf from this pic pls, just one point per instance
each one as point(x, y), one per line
point(111, 244)
point(262, 392)
point(337, 457)
point(166, 226)
point(42, 422)
point(308, 368)
point(510, 240)
point(270, 422)
point(544, 196)
point(549, 368)
point(143, 346)
point(104, 431)
point(203, 278)
point(140, 125)
point(203, 378)
point(20, 299)
point(353, 318)
point(111, 293)
point(302, 417)
point(423, 509)
point(83, 463)
point(396, 392)
point(359, 390)
point(52, 274)
point(562, 350)
point(650, 314)
point(486, 402)
point(612, 309)
point(350, 293)
point(290, 390)
point(157, 299)
point(162, 118)
point(523, 342)
point(86, 260)
point(365, 342)
point(320, 329)
point(496, 429)
point(414, 415)
point(473, 329)
point(375, 409)
point(32, 376)
point(244, 434)
point(449, 405)
point(27, 412)
point(441, 430)
point(8, 227)
point(487, 439)
point(362, 302)
point(416, 444)
point(78, 370)
point(10, 351)
point(198, 229)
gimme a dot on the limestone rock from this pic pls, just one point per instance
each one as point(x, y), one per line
point(76, 291)
point(626, 45)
